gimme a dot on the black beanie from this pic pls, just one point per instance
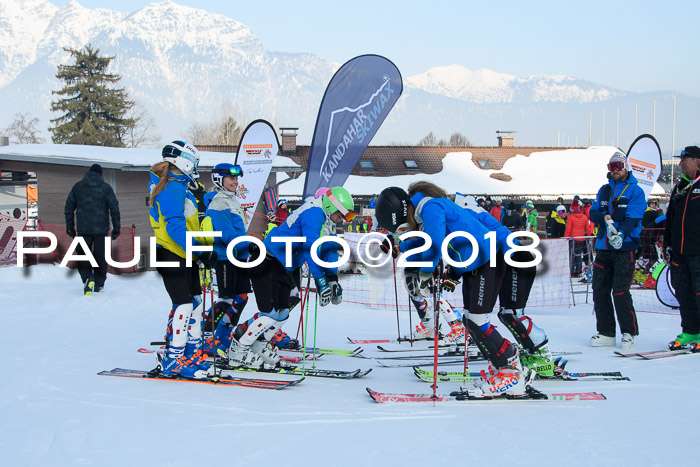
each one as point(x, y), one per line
point(96, 168)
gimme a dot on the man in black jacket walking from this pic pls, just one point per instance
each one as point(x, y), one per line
point(682, 244)
point(93, 202)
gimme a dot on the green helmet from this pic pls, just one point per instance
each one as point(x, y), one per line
point(338, 199)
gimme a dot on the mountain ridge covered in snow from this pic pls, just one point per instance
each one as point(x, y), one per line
point(185, 64)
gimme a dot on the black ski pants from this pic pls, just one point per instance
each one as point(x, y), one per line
point(685, 279)
point(181, 282)
point(480, 288)
point(517, 282)
point(96, 244)
point(273, 285)
point(612, 278)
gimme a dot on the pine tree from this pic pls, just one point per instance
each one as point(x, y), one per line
point(93, 111)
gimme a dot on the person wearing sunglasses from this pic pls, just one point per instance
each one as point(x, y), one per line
point(617, 211)
point(276, 284)
point(682, 245)
point(224, 214)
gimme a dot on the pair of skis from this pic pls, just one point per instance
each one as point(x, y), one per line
point(531, 394)
point(458, 376)
point(225, 380)
point(656, 354)
point(286, 358)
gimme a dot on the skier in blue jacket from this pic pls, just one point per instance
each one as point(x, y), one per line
point(173, 212)
point(426, 208)
point(276, 283)
point(617, 211)
point(224, 214)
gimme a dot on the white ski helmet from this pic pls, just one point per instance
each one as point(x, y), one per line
point(182, 155)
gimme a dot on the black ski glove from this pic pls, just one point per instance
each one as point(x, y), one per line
point(336, 290)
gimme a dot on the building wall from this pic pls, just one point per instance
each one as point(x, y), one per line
point(54, 183)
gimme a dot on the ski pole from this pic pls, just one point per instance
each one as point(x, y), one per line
point(436, 311)
point(466, 344)
point(304, 297)
point(315, 321)
point(396, 300)
point(303, 334)
point(204, 308)
point(410, 322)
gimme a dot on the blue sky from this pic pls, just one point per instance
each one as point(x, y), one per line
point(635, 46)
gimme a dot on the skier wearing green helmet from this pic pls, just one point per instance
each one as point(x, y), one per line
point(276, 284)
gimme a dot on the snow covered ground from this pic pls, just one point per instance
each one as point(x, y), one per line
point(56, 411)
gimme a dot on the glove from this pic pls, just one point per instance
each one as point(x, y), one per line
point(208, 259)
point(614, 237)
point(616, 240)
point(449, 281)
point(71, 232)
point(254, 251)
point(610, 227)
point(336, 290)
point(389, 245)
point(116, 233)
point(323, 292)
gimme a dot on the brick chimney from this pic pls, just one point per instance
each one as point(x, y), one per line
point(505, 138)
point(289, 141)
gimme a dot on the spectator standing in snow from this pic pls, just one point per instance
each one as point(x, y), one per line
point(617, 211)
point(497, 211)
point(512, 219)
point(577, 225)
point(282, 212)
point(682, 244)
point(92, 201)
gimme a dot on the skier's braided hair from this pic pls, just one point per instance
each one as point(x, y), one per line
point(428, 189)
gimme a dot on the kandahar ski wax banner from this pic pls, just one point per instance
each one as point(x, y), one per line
point(357, 100)
point(644, 156)
point(256, 153)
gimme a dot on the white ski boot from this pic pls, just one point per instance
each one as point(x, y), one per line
point(242, 355)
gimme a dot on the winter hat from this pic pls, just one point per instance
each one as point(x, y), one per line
point(575, 206)
point(619, 157)
point(561, 208)
point(690, 151)
point(96, 168)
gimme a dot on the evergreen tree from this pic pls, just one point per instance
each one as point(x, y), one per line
point(93, 111)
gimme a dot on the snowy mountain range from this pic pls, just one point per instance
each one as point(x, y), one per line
point(184, 64)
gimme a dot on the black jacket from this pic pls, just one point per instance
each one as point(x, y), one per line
point(93, 201)
point(683, 219)
point(513, 220)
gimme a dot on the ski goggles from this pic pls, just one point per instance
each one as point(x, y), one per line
point(616, 166)
point(235, 171)
point(347, 215)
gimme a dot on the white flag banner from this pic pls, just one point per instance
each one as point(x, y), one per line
point(644, 156)
point(256, 153)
